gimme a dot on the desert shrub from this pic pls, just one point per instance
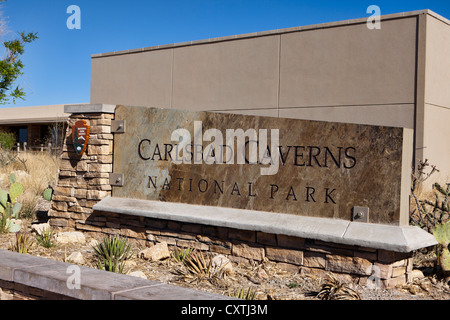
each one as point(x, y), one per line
point(427, 212)
point(7, 158)
point(7, 140)
point(430, 214)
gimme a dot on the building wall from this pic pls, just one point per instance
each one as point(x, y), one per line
point(437, 98)
point(396, 76)
point(343, 72)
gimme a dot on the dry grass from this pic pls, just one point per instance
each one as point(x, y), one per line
point(35, 171)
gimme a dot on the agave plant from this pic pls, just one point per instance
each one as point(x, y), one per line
point(333, 289)
point(112, 252)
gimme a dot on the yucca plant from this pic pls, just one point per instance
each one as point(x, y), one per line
point(112, 252)
point(243, 294)
point(46, 239)
point(333, 289)
point(181, 254)
point(198, 265)
point(22, 243)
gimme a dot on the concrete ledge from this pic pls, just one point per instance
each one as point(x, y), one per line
point(52, 276)
point(89, 108)
point(387, 237)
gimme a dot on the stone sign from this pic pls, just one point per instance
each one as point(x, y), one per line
point(290, 166)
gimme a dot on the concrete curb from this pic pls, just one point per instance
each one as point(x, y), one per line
point(60, 278)
point(377, 236)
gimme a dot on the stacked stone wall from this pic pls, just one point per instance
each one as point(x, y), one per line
point(83, 181)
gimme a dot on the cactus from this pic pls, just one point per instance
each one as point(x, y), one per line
point(3, 198)
point(47, 195)
point(12, 178)
point(15, 210)
point(9, 207)
point(442, 235)
point(12, 226)
point(15, 190)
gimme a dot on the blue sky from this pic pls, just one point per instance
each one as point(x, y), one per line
point(57, 65)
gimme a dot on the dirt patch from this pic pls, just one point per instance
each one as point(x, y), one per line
point(266, 280)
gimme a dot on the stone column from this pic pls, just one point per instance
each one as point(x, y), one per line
point(83, 180)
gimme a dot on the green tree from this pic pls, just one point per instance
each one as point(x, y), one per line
point(11, 66)
point(7, 140)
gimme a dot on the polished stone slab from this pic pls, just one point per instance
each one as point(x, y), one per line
point(324, 169)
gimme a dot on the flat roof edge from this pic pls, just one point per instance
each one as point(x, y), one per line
point(438, 16)
point(34, 120)
point(272, 32)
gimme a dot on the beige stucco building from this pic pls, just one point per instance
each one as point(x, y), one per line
point(34, 125)
point(398, 75)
